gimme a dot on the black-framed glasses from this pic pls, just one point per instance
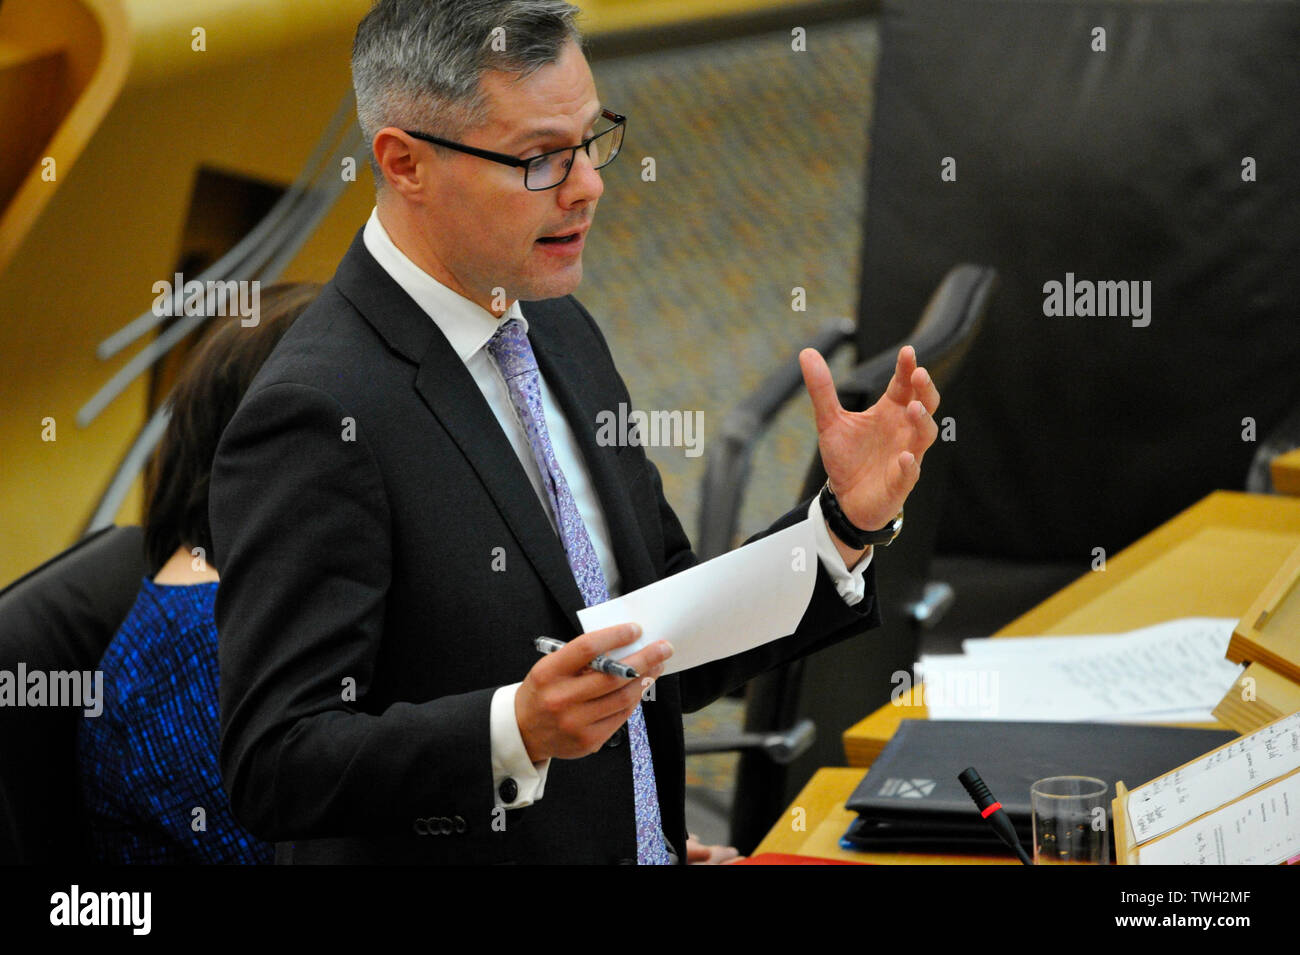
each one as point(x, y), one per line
point(549, 169)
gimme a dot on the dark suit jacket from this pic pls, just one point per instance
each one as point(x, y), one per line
point(358, 499)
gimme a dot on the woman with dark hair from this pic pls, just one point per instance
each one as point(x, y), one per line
point(150, 779)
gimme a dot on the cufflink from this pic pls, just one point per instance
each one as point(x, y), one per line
point(508, 790)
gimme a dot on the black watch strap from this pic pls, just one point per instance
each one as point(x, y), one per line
point(855, 537)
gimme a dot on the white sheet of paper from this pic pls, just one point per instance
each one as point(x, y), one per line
point(1199, 715)
point(1169, 672)
point(1005, 646)
point(742, 599)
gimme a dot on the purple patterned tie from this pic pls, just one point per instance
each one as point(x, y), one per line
point(514, 356)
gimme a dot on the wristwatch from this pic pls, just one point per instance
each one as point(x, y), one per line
point(856, 537)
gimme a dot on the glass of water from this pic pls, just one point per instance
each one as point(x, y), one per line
point(1069, 820)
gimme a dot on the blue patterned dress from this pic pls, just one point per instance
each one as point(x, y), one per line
point(148, 762)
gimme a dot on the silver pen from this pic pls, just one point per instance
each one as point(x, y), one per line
point(602, 663)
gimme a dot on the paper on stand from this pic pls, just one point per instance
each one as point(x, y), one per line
point(740, 600)
point(1261, 829)
point(1226, 774)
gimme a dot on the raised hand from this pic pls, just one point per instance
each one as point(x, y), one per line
point(873, 457)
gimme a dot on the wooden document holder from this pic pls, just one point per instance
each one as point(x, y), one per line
point(1253, 818)
point(1267, 639)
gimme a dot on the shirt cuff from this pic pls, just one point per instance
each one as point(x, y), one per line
point(848, 583)
point(509, 757)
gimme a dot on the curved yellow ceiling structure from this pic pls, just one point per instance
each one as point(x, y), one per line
point(140, 135)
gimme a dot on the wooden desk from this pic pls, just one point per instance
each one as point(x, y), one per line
point(1211, 560)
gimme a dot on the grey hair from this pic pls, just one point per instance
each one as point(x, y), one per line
point(417, 64)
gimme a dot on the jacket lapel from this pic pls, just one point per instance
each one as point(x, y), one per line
point(451, 394)
point(449, 391)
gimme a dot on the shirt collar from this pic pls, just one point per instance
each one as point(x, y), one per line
point(467, 325)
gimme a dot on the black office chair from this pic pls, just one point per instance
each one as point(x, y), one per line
point(787, 734)
point(59, 617)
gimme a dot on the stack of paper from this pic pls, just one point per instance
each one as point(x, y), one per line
point(1171, 672)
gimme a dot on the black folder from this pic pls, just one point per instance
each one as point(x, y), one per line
point(911, 801)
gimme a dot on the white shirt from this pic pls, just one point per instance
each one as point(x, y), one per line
point(468, 327)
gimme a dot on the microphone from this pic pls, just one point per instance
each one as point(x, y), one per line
point(992, 810)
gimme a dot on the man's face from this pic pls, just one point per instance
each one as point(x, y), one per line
point(483, 226)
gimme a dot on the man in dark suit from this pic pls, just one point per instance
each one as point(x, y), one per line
point(412, 491)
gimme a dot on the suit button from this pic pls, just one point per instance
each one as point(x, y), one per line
point(619, 737)
point(508, 790)
point(459, 823)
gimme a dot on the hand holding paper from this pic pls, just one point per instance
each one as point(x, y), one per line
point(743, 599)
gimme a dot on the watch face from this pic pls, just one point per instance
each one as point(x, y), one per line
point(887, 533)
